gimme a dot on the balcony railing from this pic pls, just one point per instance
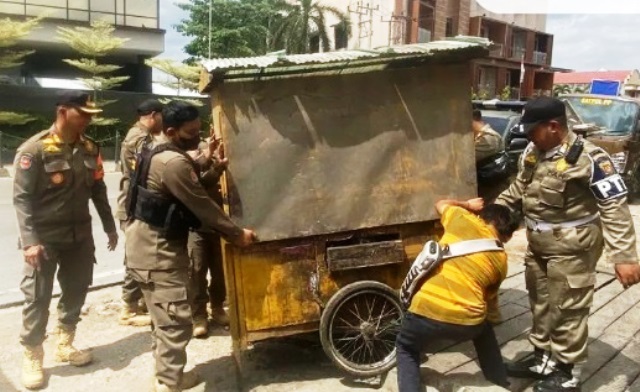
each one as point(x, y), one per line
point(517, 52)
point(497, 50)
point(539, 57)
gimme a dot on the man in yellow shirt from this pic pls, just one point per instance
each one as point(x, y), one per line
point(459, 300)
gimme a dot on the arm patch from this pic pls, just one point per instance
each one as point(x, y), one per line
point(606, 183)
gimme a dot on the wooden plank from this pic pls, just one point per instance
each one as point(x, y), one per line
point(342, 258)
point(619, 373)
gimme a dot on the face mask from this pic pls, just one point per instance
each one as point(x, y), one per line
point(188, 144)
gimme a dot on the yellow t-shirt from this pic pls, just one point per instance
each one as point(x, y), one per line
point(463, 290)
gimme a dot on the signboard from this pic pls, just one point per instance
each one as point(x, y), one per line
point(605, 87)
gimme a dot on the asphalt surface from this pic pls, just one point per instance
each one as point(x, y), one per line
point(109, 267)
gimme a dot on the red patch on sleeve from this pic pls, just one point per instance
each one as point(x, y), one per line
point(98, 174)
point(25, 162)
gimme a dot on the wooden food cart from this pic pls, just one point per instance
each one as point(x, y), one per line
point(336, 160)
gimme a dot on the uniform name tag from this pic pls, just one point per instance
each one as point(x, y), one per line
point(608, 188)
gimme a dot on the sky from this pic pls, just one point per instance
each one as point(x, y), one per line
point(581, 42)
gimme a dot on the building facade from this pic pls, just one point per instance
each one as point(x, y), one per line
point(519, 41)
point(137, 20)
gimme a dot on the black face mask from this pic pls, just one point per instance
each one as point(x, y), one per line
point(188, 144)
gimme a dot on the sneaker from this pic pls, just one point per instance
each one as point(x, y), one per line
point(535, 365)
point(558, 381)
point(200, 327)
point(219, 316)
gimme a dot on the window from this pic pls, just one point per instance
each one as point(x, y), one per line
point(340, 36)
point(450, 30)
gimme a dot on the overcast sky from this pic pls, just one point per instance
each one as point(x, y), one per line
point(581, 42)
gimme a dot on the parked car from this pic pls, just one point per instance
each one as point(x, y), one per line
point(504, 118)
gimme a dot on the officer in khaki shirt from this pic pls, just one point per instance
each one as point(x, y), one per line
point(204, 247)
point(149, 125)
point(169, 200)
point(488, 143)
point(57, 172)
point(574, 203)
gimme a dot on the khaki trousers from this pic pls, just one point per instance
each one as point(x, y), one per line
point(560, 277)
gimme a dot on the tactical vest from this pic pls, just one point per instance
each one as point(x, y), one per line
point(161, 211)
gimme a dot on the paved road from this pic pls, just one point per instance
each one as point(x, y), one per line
point(108, 269)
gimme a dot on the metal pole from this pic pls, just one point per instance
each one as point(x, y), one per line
point(210, 22)
point(1, 148)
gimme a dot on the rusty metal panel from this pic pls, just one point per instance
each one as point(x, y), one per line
point(342, 258)
point(320, 155)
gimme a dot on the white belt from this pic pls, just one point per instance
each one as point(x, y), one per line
point(468, 247)
point(548, 226)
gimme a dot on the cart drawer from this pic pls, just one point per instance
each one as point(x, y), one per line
point(340, 258)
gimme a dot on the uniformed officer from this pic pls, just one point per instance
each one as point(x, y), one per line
point(166, 200)
point(204, 247)
point(574, 202)
point(57, 171)
point(149, 125)
point(488, 142)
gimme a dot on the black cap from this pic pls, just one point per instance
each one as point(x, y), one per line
point(150, 105)
point(79, 100)
point(540, 110)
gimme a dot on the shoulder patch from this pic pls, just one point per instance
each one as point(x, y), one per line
point(194, 176)
point(26, 160)
point(606, 183)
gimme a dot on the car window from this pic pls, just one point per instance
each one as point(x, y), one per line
point(499, 124)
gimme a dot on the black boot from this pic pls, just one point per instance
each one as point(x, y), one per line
point(535, 365)
point(561, 380)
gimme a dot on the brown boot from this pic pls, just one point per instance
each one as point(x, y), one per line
point(189, 380)
point(200, 327)
point(65, 352)
point(130, 314)
point(219, 316)
point(32, 374)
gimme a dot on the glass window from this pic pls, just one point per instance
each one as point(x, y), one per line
point(120, 6)
point(144, 8)
point(16, 9)
point(82, 16)
point(103, 6)
point(56, 13)
point(111, 18)
point(136, 21)
point(79, 4)
point(615, 116)
point(51, 3)
point(120, 20)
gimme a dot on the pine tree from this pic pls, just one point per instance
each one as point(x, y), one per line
point(94, 43)
point(10, 32)
point(186, 76)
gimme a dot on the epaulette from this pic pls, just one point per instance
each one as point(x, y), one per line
point(38, 136)
point(90, 144)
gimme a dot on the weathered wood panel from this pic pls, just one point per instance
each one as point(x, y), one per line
point(320, 155)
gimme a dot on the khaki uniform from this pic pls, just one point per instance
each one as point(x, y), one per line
point(161, 263)
point(488, 143)
point(131, 145)
point(205, 250)
point(571, 211)
point(52, 187)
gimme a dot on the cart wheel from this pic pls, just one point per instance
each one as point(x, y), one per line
point(358, 328)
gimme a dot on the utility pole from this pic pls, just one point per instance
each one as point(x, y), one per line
point(364, 11)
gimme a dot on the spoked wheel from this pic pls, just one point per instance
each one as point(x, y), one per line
point(358, 328)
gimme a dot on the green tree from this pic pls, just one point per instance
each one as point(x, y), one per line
point(303, 20)
point(240, 28)
point(185, 77)
point(93, 43)
point(10, 32)
point(559, 89)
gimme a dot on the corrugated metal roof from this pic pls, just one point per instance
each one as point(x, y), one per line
point(458, 43)
point(588, 77)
